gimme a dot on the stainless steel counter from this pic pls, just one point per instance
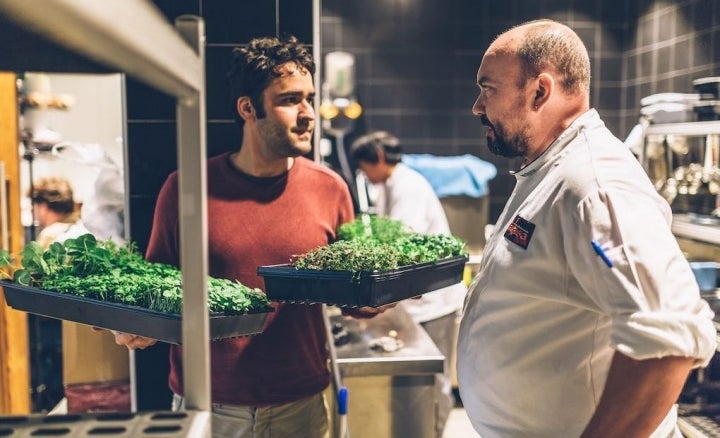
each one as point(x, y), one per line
point(686, 225)
point(390, 394)
point(419, 355)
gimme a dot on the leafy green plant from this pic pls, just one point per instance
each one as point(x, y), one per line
point(387, 246)
point(110, 272)
point(373, 227)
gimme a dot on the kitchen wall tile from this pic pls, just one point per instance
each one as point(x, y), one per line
point(682, 83)
point(296, 18)
point(332, 30)
point(613, 123)
point(666, 25)
point(612, 39)
point(237, 21)
point(665, 86)
point(468, 126)
point(612, 12)
point(174, 8)
point(647, 68)
point(223, 136)
point(151, 155)
point(704, 53)
point(218, 62)
point(382, 121)
point(704, 13)
point(646, 31)
point(609, 97)
point(716, 50)
point(147, 103)
point(665, 60)
point(632, 63)
point(611, 68)
point(586, 32)
point(142, 208)
point(683, 55)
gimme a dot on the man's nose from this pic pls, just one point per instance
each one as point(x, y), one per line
point(307, 110)
point(478, 108)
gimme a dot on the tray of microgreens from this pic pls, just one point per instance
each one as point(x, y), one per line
point(375, 261)
point(111, 286)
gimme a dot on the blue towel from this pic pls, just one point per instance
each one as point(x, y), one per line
point(456, 175)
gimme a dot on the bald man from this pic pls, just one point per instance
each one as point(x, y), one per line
point(585, 318)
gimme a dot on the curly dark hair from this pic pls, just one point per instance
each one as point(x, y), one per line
point(368, 147)
point(256, 65)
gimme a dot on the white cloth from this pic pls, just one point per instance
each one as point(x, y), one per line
point(408, 197)
point(540, 325)
point(60, 232)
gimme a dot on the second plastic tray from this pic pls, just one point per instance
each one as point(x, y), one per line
point(342, 288)
point(130, 319)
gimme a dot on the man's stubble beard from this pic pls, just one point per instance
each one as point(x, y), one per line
point(279, 140)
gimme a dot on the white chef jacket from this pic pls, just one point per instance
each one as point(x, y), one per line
point(409, 198)
point(545, 313)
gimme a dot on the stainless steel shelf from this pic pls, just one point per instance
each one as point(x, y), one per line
point(698, 426)
point(683, 226)
point(689, 128)
point(119, 425)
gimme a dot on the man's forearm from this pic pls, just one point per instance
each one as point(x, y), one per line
point(637, 396)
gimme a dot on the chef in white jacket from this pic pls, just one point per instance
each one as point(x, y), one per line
point(584, 318)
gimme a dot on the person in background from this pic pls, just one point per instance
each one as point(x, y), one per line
point(405, 195)
point(55, 211)
point(266, 203)
point(95, 374)
point(584, 319)
point(57, 219)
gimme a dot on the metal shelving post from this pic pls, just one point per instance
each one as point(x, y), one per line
point(191, 149)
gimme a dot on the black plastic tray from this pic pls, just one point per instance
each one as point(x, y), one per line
point(341, 288)
point(125, 318)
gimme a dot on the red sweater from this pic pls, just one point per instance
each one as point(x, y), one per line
point(254, 222)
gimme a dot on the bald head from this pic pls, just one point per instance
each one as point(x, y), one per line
point(546, 45)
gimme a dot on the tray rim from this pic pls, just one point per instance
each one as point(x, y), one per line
point(281, 270)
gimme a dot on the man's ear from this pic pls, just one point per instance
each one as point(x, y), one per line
point(545, 86)
point(245, 108)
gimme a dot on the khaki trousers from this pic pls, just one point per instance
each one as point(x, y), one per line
point(306, 418)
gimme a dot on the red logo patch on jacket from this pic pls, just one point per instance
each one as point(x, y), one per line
point(520, 231)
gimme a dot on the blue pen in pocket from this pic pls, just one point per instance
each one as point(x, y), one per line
point(598, 249)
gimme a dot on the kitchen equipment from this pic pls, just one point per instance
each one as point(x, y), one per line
point(706, 110)
point(708, 85)
point(669, 107)
point(682, 162)
point(706, 274)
